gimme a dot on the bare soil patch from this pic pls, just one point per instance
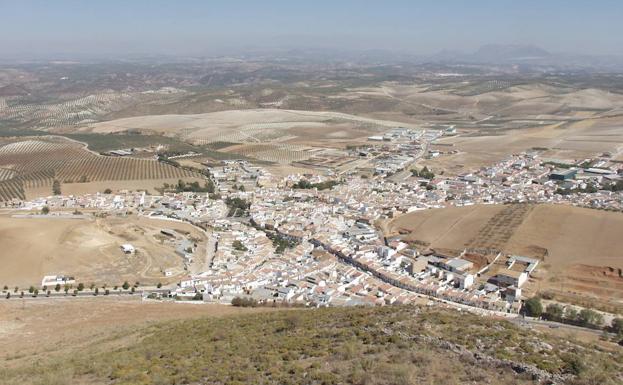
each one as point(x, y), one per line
point(89, 250)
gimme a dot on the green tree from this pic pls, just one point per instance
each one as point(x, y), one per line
point(31, 289)
point(56, 187)
point(108, 191)
point(617, 325)
point(125, 285)
point(589, 317)
point(57, 288)
point(80, 286)
point(96, 292)
point(6, 288)
point(8, 294)
point(571, 314)
point(45, 210)
point(159, 285)
point(554, 312)
point(533, 307)
point(238, 245)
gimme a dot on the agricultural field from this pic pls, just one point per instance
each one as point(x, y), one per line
point(250, 126)
point(275, 153)
point(36, 163)
point(192, 106)
point(579, 248)
point(76, 111)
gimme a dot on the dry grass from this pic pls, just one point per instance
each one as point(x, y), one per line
point(393, 345)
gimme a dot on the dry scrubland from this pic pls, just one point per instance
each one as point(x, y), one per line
point(86, 249)
point(583, 245)
point(34, 330)
point(389, 345)
point(33, 165)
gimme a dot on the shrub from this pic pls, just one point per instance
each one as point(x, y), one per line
point(238, 245)
point(554, 312)
point(56, 187)
point(617, 325)
point(533, 307)
point(244, 302)
point(588, 317)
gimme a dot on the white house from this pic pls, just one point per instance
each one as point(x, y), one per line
point(52, 280)
point(128, 248)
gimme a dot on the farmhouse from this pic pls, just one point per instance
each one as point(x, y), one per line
point(128, 248)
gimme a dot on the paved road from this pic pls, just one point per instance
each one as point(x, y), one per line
point(86, 293)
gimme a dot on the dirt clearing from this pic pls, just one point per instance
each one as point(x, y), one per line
point(87, 249)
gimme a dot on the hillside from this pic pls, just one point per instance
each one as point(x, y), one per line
point(388, 345)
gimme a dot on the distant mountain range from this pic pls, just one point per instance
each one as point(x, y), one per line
point(529, 55)
point(524, 57)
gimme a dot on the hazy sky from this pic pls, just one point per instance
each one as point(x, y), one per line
point(209, 27)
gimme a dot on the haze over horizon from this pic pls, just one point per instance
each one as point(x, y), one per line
point(38, 28)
